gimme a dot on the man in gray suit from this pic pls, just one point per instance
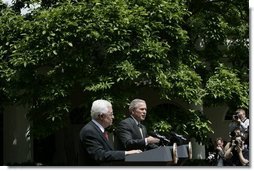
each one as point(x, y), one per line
point(96, 147)
point(130, 133)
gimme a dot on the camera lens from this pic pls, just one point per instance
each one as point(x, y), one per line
point(235, 117)
point(232, 134)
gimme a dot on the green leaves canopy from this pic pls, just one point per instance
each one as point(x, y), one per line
point(113, 49)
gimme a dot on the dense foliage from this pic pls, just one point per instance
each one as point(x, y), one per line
point(192, 50)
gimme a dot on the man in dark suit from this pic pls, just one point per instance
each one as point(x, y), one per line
point(130, 133)
point(97, 148)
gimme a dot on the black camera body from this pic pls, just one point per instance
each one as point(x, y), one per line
point(237, 143)
point(235, 117)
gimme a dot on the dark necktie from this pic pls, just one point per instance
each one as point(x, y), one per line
point(105, 134)
point(140, 129)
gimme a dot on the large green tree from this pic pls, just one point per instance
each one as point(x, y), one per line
point(192, 50)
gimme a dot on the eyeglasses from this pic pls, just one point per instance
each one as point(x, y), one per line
point(111, 114)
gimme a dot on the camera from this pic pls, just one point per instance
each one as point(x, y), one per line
point(232, 134)
point(237, 142)
point(211, 156)
point(235, 117)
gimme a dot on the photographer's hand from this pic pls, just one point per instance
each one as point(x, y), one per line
point(219, 148)
point(238, 149)
point(238, 120)
point(243, 160)
point(228, 153)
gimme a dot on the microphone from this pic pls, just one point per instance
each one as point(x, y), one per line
point(178, 136)
point(161, 137)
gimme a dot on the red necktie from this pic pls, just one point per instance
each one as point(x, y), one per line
point(105, 134)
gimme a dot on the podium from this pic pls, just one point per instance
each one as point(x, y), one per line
point(184, 151)
point(163, 155)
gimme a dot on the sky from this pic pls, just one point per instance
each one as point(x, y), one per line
point(24, 10)
point(7, 1)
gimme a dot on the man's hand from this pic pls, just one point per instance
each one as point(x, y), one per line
point(152, 140)
point(132, 152)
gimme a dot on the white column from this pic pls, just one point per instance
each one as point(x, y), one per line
point(198, 150)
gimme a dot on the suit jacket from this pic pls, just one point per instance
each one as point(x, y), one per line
point(97, 150)
point(128, 136)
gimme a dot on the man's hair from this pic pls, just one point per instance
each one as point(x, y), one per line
point(240, 110)
point(219, 138)
point(99, 107)
point(134, 103)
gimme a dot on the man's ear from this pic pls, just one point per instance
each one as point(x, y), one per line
point(132, 112)
point(101, 116)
